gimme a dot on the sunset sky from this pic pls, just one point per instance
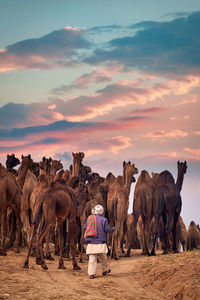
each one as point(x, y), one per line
point(118, 80)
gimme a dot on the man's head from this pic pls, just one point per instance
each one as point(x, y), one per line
point(98, 210)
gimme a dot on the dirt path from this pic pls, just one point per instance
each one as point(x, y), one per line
point(174, 276)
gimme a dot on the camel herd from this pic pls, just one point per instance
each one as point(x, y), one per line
point(42, 203)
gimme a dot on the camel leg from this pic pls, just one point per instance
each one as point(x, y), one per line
point(40, 256)
point(168, 225)
point(60, 240)
point(48, 252)
point(174, 232)
point(3, 230)
point(19, 226)
point(33, 233)
point(66, 246)
point(155, 236)
point(11, 233)
point(72, 232)
point(133, 234)
point(146, 228)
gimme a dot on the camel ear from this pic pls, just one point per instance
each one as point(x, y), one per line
point(50, 159)
point(22, 156)
point(13, 155)
point(43, 159)
point(185, 163)
point(29, 156)
point(124, 162)
point(7, 155)
point(178, 162)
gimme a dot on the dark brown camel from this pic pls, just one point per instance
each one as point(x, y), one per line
point(57, 203)
point(167, 205)
point(12, 162)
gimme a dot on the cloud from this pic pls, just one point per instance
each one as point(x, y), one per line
point(96, 76)
point(56, 126)
point(159, 47)
point(193, 151)
point(157, 134)
point(56, 49)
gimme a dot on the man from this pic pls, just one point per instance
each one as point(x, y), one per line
point(96, 227)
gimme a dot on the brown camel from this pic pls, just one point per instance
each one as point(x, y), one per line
point(193, 239)
point(118, 203)
point(142, 207)
point(48, 167)
point(57, 203)
point(182, 169)
point(10, 194)
point(167, 205)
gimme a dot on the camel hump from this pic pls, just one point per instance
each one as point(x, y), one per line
point(119, 180)
point(166, 177)
point(144, 176)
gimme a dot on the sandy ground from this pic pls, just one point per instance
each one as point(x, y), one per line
point(172, 276)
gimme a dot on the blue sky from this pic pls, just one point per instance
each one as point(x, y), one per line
point(118, 80)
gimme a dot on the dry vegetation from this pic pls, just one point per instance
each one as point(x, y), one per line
point(172, 276)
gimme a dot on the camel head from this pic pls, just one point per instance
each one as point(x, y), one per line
point(129, 170)
point(45, 164)
point(56, 165)
point(77, 160)
point(35, 168)
point(182, 167)
point(26, 162)
point(12, 161)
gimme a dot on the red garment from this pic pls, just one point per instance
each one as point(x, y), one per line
point(91, 229)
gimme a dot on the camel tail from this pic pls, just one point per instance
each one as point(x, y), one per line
point(114, 209)
point(38, 214)
point(144, 204)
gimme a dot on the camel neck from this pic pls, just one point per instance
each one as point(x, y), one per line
point(179, 181)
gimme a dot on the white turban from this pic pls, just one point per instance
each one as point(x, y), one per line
point(98, 210)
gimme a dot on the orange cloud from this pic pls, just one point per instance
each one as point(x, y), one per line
point(193, 151)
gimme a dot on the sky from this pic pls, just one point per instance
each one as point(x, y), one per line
point(117, 80)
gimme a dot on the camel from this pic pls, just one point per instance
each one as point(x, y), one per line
point(193, 239)
point(95, 197)
point(182, 169)
point(77, 160)
point(57, 203)
point(49, 169)
point(12, 162)
point(167, 205)
point(118, 203)
point(142, 210)
point(10, 194)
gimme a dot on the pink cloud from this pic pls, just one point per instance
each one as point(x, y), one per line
point(157, 134)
